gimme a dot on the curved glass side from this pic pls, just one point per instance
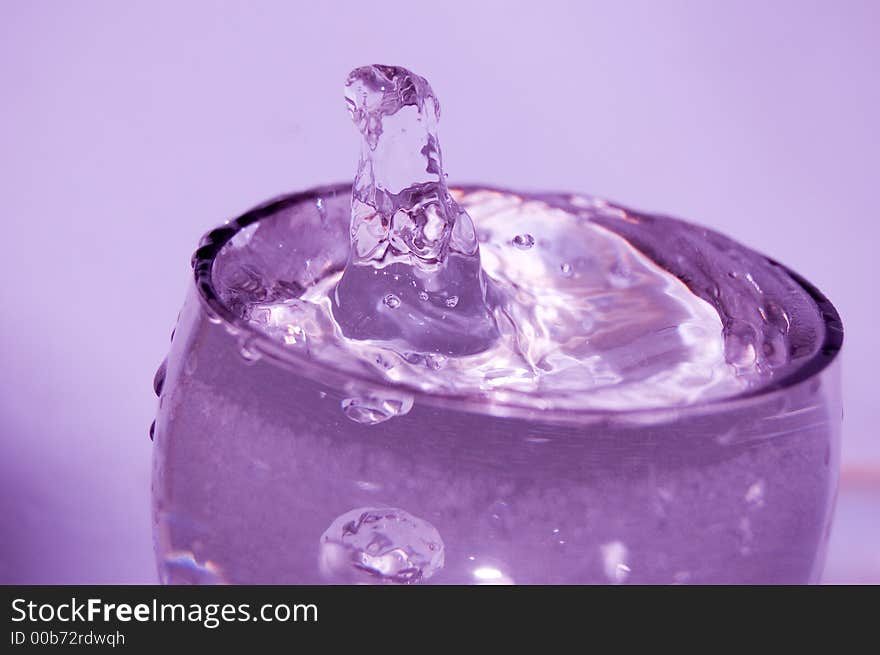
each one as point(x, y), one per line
point(260, 477)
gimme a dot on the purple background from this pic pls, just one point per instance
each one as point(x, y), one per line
point(128, 129)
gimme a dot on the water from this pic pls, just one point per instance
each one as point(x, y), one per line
point(502, 297)
point(404, 382)
point(414, 252)
point(385, 544)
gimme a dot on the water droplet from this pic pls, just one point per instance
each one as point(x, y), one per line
point(182, 568)
point(380, 545)
point(755, 494)
point(369, 408)
point(159, 378)
point(451, 301)
point(524, 241)
point(491, 575)
point(249, 353)
point(391, 301)
point(614, 555)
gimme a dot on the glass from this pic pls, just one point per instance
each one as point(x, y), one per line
point(259, 476)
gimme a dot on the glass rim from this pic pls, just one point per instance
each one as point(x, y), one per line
point(274, 352)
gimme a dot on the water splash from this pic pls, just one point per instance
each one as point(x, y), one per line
point(410, 240)
point(551, 303)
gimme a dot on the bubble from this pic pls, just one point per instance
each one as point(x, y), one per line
point(452, 301)
point(423, 295)
point(566, 270)
point(248, 352)
point(372, 408)
point(491, 575)
point(614, 556)
point(380, 545)
point(755, 494)
point(391, 301)
point(524, 241)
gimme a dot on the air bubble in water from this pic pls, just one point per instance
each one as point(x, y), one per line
point(380, 545)
point(372, 408)
point(452, 301)
point(491, 574)
point(247, 348)
point(755, 494)
point(614, 556)
point(391, 301)
point(524, 241)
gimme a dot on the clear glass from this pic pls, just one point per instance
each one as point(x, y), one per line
point(260, 478)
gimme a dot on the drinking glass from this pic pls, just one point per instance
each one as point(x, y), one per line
point(260, 476)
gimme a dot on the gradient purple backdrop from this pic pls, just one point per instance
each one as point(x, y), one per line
point(129, 129)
